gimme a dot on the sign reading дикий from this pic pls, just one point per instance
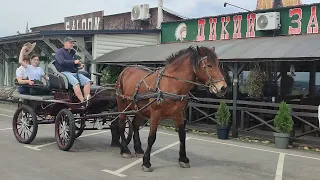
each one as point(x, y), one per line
point(295, 20)
point(89, 21)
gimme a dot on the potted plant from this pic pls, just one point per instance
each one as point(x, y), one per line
point(223, 118)
point(284, 125)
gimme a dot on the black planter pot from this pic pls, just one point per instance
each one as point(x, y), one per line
point(223, 132)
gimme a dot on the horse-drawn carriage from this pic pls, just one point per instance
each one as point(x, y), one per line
point(139, 91)
point(55, 103)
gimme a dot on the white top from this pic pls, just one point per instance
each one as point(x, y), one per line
point(21, 72)
point(34, 72)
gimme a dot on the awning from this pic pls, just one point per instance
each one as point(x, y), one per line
point(300, 47)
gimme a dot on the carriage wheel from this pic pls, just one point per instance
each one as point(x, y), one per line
point(128, 131)
point(79, 128)
point(65, 129)
point(25, 124)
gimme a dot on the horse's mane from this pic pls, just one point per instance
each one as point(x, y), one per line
point(194, 55)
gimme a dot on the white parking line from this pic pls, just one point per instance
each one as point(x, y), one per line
point(280, 166)
point(228, 144)
point(37, 148)
point(6, 115)
point(307, 157)
point(169, 134)
point(119, 171)
point(5, 110)
point(5, 129)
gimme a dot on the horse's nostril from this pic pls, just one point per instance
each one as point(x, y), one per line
point(223, 89)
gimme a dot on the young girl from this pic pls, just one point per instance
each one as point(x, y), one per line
point(33, 71)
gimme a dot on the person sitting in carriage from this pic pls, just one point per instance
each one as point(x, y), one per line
point(29, 72)
point(22, 76)
point(67, 63)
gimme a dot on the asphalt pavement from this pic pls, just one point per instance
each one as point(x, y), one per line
point(92, 157)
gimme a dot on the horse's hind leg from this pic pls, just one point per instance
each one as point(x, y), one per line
point(124, 150)
point(179, 122)
point(136, 137)
point(115, 134)
point(154, 122)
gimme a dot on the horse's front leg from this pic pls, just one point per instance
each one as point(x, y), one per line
point(154, 122)
point(183, 160)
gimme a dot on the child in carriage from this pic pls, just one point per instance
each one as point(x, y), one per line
point(29, 73)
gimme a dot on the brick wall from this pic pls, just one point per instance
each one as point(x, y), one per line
point(123, 21)
point(119, 22)
point(51, 27)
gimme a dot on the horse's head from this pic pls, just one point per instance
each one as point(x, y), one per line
point(207, 70)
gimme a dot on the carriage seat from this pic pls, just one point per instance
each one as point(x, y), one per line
point(57, 80)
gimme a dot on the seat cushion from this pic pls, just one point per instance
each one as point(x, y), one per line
point(57, 80)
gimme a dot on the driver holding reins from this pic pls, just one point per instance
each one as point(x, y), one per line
point(67, 63)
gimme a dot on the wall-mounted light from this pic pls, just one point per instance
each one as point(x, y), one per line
point(225, 5)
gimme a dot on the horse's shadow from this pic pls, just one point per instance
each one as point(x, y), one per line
point(203, 161)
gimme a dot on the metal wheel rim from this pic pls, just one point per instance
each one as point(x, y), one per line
point(24, 123)
point(64, 130)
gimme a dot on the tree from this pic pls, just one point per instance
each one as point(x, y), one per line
point(223, 114)
point(283, 120)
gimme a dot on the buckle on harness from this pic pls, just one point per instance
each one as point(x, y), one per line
point(159, 97)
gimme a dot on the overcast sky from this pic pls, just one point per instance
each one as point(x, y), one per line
point(16, 13)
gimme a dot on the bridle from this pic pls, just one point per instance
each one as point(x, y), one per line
point(210, 82)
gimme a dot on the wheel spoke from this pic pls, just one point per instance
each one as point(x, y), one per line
point(28, 134)
point(21, 131)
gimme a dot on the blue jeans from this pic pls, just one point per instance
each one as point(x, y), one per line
point(72, 78)
point(24, 90)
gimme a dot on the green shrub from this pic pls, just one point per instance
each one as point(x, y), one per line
point(223, 114)
point(283, 120)
point(110, 74)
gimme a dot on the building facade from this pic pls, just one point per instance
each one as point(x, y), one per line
point(96, 34)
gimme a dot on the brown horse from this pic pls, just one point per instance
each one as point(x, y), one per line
point(169, 87)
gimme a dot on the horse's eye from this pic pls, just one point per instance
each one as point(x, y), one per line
point(210, 66)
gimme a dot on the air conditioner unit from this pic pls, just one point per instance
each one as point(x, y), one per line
point(140, 12)
point(268, 21)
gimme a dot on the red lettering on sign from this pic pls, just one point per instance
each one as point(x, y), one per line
point(237, 26)
point(295, 11)
point(313, 21)
point(213, 28)
point(201, 24)
point(251, 19)
point(224, 33)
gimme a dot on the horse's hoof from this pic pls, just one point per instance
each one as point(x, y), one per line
point(139, 155)
point(145, 169)
point(184, 165)
point(126, 156)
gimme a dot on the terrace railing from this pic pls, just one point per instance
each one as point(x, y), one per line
point(253, 115)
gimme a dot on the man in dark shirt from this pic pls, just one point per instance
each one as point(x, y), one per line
point(66, 63)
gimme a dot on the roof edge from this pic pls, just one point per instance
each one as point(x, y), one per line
point(92, 32)
point(244, 12)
